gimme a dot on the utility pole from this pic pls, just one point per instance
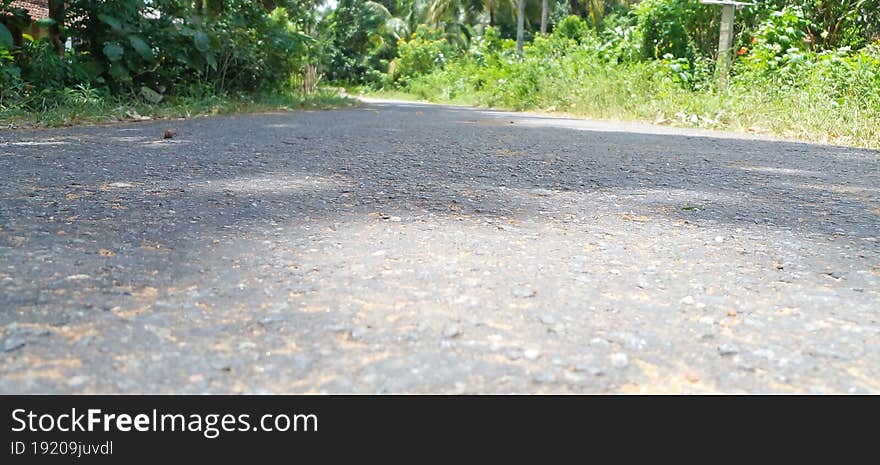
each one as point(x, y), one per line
point(725, 39)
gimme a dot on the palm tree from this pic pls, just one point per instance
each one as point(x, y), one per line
point(392, 26)
point(597, 11)
point(545, 9)
point(468, 10)
point(520, 26)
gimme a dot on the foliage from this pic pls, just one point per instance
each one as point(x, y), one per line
point(10, 77)
point(834, 23)
point(573, 28)
point(238, 46)
point(357, 49)
point(779, 86)
point(255, 50)
point(621, 39)
point(150, 49)
point(682, 28)
point(781, 39)
point(694, 74)
point(425, 51)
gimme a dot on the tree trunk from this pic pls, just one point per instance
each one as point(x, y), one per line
point(520, 26)
point(545, 7)
point(56, 12)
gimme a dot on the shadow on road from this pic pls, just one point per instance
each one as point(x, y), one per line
point(242, 215)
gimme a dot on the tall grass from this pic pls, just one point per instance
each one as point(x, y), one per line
point(831, 100)
point(84, 105)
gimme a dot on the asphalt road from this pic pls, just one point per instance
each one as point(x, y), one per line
point(407, 248)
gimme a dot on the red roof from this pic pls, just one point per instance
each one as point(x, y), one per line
point(37, 8)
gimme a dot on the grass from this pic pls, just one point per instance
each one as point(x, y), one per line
point(637, 92)
point(793, 118)
point(77, 107)
point(387, 94)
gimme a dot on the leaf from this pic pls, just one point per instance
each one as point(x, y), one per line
point(5, 37)
point(202, 41)
point(305, 38)
point(114, 23)
point(118, 71)
point(113, 51)
point(141, 47)
point(211, 60)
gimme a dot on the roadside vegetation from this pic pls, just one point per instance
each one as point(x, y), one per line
point(99, 61)
point(805, 69)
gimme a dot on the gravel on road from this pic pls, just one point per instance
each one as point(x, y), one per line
point(410, 248)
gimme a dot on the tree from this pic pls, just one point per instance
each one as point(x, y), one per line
point(56, 13)
point(469, 10)
point(520, 26)
point(545, 10)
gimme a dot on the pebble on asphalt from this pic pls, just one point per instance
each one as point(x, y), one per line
point(524, 292)
point(531, 354)
point(619, 360)
point(451, 331)
point(727, 349)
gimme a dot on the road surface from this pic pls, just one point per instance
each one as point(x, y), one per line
point(410, 248)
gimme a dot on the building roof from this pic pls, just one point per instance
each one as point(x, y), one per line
point(38, 9)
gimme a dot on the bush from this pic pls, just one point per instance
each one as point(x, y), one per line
point(621, 39)
point(424, 52)
point(357, 47)
point(156, 48)
point(781, 61)
point(844, 74)
point(682, 28)
point(238, 47)
point(40, 66)
point(780, 41)
point(10, 77)
point(254, 50)
point(778, 85)
point(573, 28)
point(693, 74)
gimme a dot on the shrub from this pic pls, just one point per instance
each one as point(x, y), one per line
point(693, 74)
point(620, 38)
point(573, 28)
point(779, 41)
point(152, 48)
point(682, 28)
point(254, 50)
point(10, 77)
point(424, 52)
point(40, 66)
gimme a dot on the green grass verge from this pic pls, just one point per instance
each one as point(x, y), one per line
point(798, 119)
point(81, 108)
point(385, 94)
